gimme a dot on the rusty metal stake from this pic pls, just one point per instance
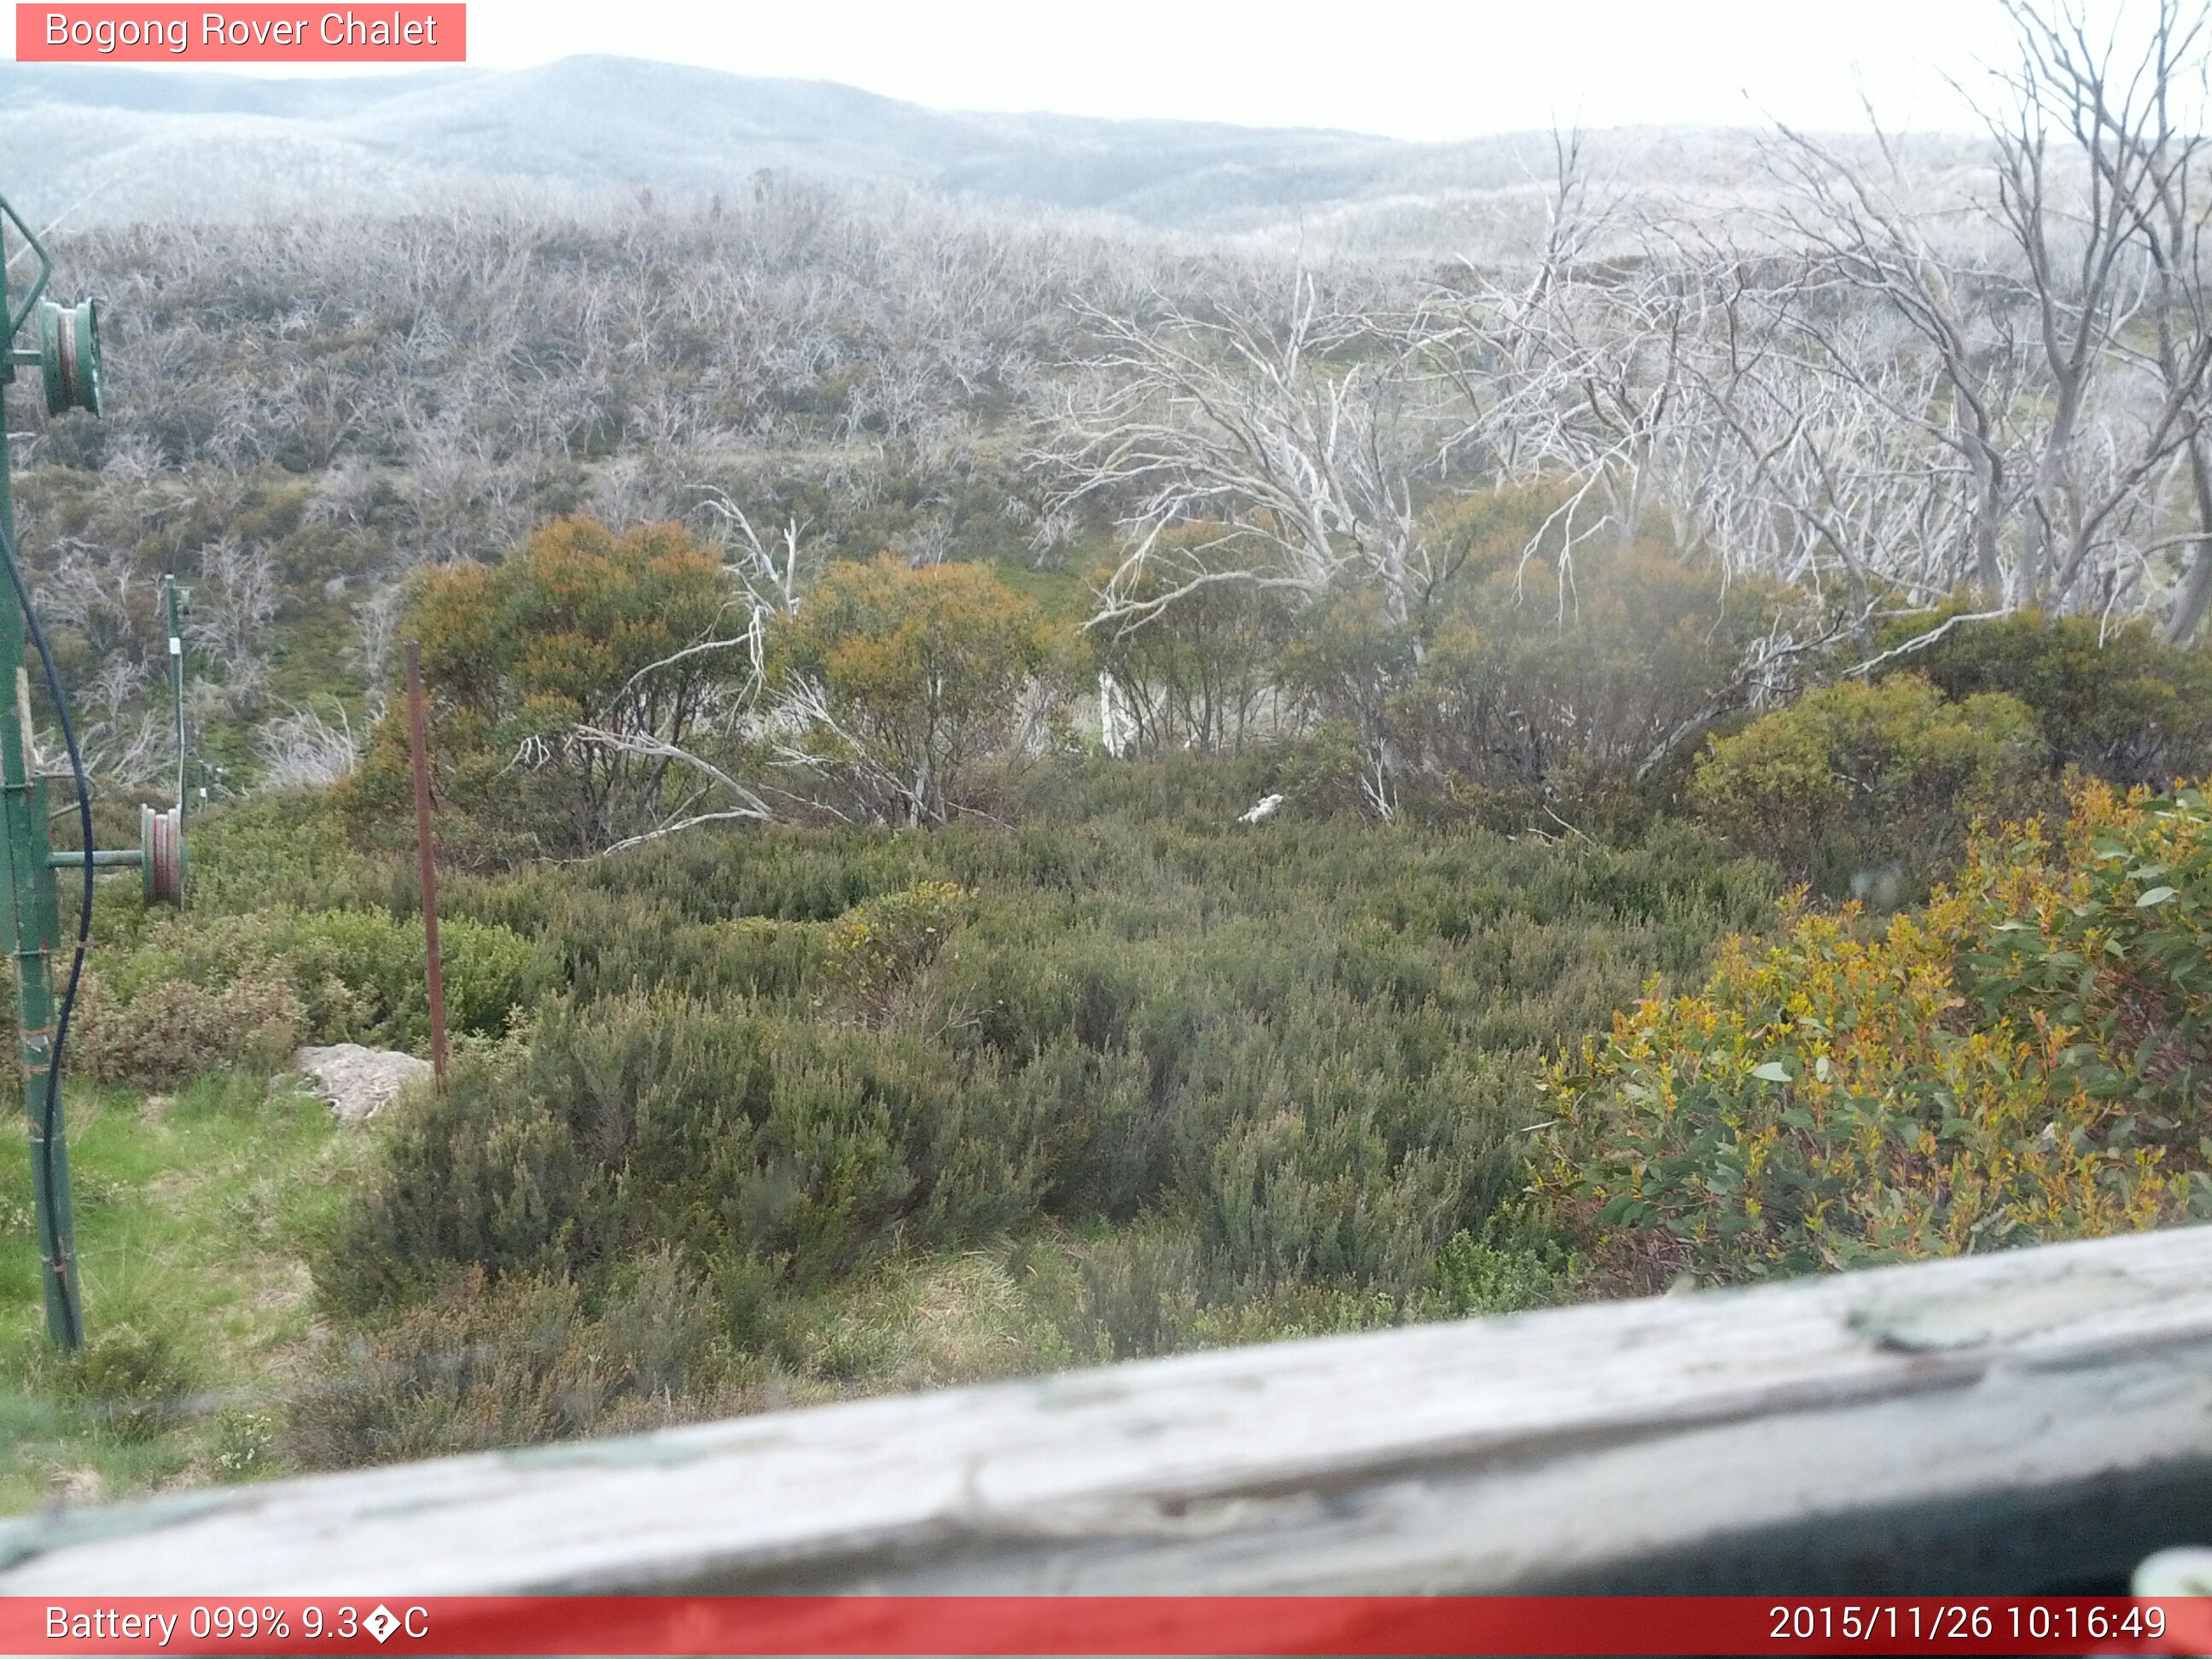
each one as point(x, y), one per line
point(419, 742)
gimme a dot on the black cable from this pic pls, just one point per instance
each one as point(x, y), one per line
point(83, 917)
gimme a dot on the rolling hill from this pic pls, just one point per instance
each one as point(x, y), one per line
point(108, 145)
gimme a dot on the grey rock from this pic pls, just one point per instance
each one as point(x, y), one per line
point(359, 1082)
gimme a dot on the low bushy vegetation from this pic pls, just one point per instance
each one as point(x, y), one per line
point(1007, 1053)
point(2110, 700)
point(1869, 789)
point(2023, 1059)
point(1213, 1081)
point(198, 992)
point(1163, 1078)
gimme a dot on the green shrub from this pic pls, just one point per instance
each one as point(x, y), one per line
point(1539, 678)
point(875, 949)
point(804, 1150)
point(1201, 672)
point(923, 678)
point(582, 626)
point(134, 1379)
point(477, 1368)
point(1494, 1272)
point(1870, 788)
point(1522, 670)
point(355, 976)
point(1157, 1287)
point(175, 1029)
point(2110, 700)
point(289, 850)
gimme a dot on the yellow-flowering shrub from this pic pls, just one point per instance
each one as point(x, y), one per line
point(875, 949)
point(2025, 1059)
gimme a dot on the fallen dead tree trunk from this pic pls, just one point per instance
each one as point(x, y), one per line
point(2036, 1420)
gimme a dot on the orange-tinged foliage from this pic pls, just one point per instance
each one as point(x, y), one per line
point(567, 622)
point(925, 674)
point(517, 656)
point(2023, 1059)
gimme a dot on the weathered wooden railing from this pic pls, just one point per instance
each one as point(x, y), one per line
point(2036, 1421)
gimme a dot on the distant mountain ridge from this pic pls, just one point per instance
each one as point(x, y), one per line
point(115, 143)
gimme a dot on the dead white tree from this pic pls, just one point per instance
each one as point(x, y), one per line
point(1870, 237)
point(1807, 465)
point(301, 750)
point(234, 603)
point(2082, 241)
point(746, 805)
point(672, 735)
point(1578, 368)
point(2030, 294)
point(2139, 123)
point(376, 630)
point(1296, 431)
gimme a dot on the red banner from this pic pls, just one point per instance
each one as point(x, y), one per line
point(241, 35)
point(1113, 1624)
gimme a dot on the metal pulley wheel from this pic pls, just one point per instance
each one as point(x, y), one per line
point(161, 837)
point(69, 355)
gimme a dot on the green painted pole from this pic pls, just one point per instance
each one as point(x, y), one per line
point(30, 927)
point(176, 626)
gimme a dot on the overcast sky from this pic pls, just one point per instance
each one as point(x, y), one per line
point(1414, 69)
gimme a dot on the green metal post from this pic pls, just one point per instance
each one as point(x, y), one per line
point(176, 625)
point(30, 927)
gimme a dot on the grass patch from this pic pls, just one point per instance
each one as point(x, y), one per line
point(192, 1214)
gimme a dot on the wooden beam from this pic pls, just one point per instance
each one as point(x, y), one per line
point(2016, 1422)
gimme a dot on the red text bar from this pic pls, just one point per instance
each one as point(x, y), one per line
point(1115, 1625)
point(241, 35)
